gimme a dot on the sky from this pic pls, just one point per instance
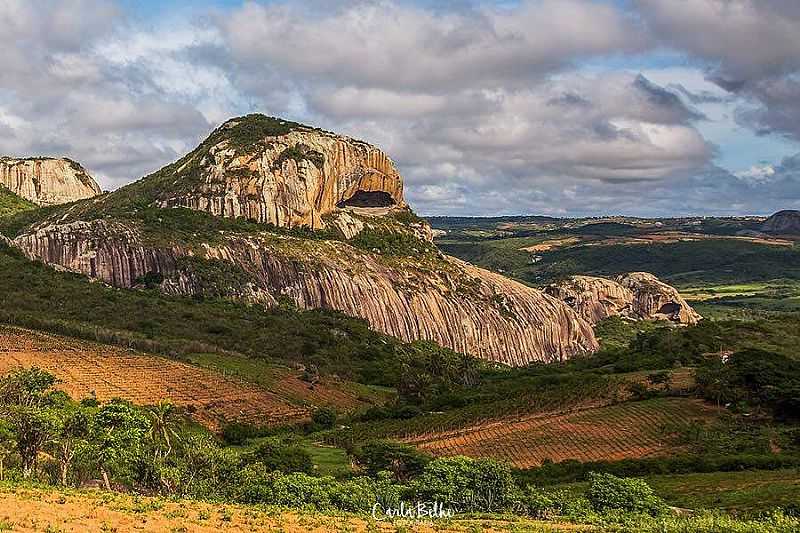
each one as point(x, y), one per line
point(554, 107)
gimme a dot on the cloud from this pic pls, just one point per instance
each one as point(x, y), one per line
point(485, 109)
point(80, 81)
point(393, 46)
point(750, 48)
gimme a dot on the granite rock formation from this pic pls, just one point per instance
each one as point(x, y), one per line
point(47, 181)
point(362, 252)
point(291, 175)
point(636, 296)
point(783, 223)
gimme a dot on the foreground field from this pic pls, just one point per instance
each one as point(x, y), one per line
point(34, 509)
point(608, 433)
point(105, 372)
point(750, 491)
point(38, 509)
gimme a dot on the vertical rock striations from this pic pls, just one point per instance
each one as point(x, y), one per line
point(47, 181)
point(373, 260)
point(636, 295)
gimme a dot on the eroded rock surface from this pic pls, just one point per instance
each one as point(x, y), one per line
point(46, 181)
point(636, 295)
point(293, 176)
point(376, 260)
point(441, 299)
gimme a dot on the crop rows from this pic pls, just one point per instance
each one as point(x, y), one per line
point(628, 430)
point(86, 370)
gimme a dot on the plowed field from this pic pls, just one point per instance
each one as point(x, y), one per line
point(88, 369)
point(622, 431)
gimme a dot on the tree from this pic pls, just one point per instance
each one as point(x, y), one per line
point(70, 436)
point(609, 492)
point(275, 454)
point(400, 459)
point(118, 431)
point(7, 445)
point(26, 401)
point(482, 485)
point(324, 417)
point(163, 428)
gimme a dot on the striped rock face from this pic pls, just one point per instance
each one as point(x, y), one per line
point(636, 296)
point(292, 178)
point(46, 181)
point(291, 175)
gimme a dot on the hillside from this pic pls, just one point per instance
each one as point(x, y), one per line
point(783, 223)
point(266, 211)
point(10, 203)
point(209, 396)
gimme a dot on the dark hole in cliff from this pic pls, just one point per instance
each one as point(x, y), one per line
point(669, 309)
point(368, 199)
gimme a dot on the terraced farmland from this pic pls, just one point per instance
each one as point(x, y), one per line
point(621, 431)
point(88, 369)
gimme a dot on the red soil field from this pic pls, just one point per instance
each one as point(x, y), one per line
point(622, 431)
point(89, 369)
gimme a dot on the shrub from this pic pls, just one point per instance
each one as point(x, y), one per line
point(277, 455)
point(468, 484)
point(608, 492)
point(237, 433)
point(541, 503)
point(324, 418)
point(402, 460)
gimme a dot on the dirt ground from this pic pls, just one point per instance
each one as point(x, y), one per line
point(33, 509)
point(88, 369)
point(608, 433)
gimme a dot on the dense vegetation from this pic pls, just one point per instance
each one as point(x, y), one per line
point(10, 203)
point(48, 437)
point(704, 261)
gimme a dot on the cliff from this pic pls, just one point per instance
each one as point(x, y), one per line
point(324, 226)
point(636, 295)
point(47, 181)
point(783, 223)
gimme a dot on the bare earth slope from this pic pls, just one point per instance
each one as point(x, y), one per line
point(375, 260)
point(89, 369)
point(605, 433)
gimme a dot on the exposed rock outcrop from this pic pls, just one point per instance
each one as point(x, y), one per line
point(783, 223)
point(376, 260)
point(47, 181)
point(636, 295)
point(293, 175)
point(442, 299)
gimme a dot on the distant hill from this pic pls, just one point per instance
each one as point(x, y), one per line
point(783, 223)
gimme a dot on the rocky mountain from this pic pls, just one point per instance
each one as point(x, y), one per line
point(783, 223)
point(636, 295)
point(47, 181)
point(272, 212)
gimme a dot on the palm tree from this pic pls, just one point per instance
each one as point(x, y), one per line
point(163, 427)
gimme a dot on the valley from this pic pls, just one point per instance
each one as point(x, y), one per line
point(319, 345)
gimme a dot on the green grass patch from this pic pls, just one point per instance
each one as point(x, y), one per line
point(10, 203)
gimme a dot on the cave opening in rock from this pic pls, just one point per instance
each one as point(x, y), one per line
point(670, 309)
point(368, 199)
